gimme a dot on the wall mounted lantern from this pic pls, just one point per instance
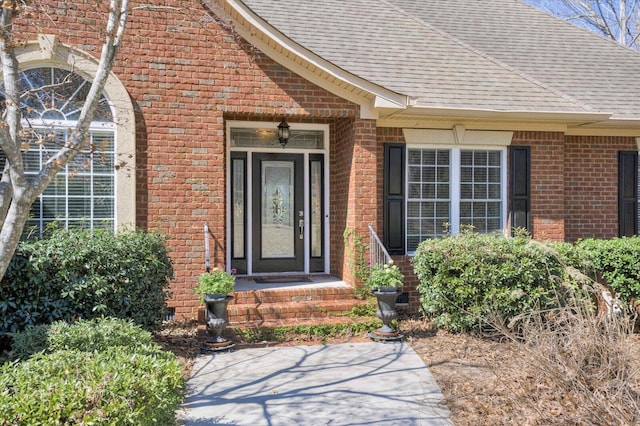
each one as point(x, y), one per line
point(283, 132)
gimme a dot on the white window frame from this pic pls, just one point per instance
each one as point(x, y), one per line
point(102, 128)
point(458, 139)
point(47, 51)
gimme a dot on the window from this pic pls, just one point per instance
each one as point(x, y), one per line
point(448, 188)
point(84, 193)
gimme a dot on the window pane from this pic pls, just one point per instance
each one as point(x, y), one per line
point(443, 191)
point(267, 137)
point(237, 200)
point(414, 157)
point(103, 185)
point(103, 208)
point(54, 207)
point(80, 207)
point(480, 190)
point(414, 190)
point(80, 185)
point(316, 208)
point(428, 194)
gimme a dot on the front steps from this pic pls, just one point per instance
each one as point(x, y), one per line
point(289, 306)
point(265, 309)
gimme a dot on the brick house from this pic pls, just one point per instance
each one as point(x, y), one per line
point(404, 115)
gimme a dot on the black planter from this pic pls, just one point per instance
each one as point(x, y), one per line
point(386, 312)
point(216, 320)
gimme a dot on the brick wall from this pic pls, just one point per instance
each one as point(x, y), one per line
point(547, 183)
point(187, 73)
point(591, 185)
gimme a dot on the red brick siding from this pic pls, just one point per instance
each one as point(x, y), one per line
point(547, 187)
point(353, 190)
point(187, 74)
point(591, 185)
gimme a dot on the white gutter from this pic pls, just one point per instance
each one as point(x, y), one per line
point(572, 116)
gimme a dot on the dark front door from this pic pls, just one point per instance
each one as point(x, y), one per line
point(278, 213)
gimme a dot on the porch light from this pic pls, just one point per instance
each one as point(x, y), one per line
point(283, 132)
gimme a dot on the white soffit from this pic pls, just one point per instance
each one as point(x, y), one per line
point(457, 136)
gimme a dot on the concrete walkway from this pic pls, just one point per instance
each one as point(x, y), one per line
point(344, 384)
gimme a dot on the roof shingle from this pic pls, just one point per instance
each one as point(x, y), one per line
point(500, 55)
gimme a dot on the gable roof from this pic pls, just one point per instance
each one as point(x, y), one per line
point(500, 56)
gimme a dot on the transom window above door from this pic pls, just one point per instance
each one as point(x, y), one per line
point(267, 138)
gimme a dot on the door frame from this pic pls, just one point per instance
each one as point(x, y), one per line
point(275, 148)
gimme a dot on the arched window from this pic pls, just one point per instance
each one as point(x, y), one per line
point(83, 194)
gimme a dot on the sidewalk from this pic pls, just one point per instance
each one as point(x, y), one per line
point(343, 384)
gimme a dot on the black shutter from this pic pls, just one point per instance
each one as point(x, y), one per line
point(394, 187)
point(627, 193)
point(520, 187)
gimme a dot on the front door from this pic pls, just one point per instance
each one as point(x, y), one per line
point(278, 212)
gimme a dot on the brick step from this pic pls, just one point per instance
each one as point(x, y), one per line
point(246, 313)
point(292, 295)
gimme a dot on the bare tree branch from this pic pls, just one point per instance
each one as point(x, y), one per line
point(618, 20)
point(17, 192)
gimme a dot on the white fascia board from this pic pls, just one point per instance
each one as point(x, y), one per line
point(457, 136)
point(584, 117)
point(379, 94)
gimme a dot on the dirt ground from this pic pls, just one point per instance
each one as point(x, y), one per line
point(484, 381)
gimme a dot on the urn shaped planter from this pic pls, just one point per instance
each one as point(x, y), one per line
point(216, 320)
point(386, 311)
point(385, 281)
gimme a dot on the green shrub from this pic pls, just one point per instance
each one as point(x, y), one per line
point(31, 340)
point(618, 260)
point(116, 386)
point(466, 277)
point(104, 371)
point(94, 335)
point(79, 274)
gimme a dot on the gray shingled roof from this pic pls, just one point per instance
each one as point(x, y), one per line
point(498, 55)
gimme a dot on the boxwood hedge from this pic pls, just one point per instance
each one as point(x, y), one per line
point(463, 278)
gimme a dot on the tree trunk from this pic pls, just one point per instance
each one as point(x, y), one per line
point(17, 193)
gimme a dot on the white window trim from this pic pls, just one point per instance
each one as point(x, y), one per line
point(454, 179)
point(47, 51)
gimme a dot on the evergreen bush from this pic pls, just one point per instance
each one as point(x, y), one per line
point(97, 334)
point(618, 260)
point(464, 278)
point(83, 274)
point(103, 372)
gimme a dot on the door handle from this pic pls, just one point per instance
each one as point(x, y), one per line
point(301, 228)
